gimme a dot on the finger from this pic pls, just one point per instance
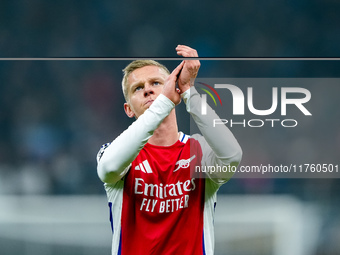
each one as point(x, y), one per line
point(186, 51)
point(172, 78)
point(183, 47)
point(177, 70)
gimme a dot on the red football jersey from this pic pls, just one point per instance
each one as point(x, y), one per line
point(158, 203)
point(159, 207)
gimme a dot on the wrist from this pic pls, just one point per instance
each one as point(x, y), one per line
point(184, 89)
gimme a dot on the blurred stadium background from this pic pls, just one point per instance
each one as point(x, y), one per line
point(55, 115)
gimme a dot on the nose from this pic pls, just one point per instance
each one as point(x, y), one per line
point(148, 90)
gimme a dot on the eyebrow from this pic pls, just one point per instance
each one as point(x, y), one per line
point(135, 85)
point(154, 78)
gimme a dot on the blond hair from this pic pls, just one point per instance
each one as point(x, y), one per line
point(135, 65)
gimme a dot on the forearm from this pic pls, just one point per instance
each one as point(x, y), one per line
point(226, 149)
point(124, 149)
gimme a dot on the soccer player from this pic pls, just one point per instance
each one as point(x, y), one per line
point(157, 205)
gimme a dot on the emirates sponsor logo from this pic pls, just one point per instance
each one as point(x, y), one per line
point(164, 198)
point(161, 190)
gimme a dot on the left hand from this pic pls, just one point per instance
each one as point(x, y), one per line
point(190, 68)
point(169, 88)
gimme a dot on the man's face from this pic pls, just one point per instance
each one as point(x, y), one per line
point(144, 86)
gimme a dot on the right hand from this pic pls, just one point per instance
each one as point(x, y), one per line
point(190, 67)
point(169, 88)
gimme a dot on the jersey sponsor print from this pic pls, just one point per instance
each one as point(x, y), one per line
point(158, 207)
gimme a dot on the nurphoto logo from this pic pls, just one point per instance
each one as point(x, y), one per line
point(239, 99)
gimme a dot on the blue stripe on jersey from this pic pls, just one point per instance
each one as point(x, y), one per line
point(120, 243)
point(214, 212)
point(203, 244)
point(183, 137)
point(111, 219)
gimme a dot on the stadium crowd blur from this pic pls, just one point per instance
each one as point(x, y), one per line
point(55, 115)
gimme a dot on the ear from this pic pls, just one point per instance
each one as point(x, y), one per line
point(128, 110)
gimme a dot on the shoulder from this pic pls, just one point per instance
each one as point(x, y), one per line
point(195, 141)
point(199, 139)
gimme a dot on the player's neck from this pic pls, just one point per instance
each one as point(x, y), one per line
point(167, 132)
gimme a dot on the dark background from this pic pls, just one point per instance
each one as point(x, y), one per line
point(55, 115)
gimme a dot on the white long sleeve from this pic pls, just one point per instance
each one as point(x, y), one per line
point(218, 143)
point(114, 163)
